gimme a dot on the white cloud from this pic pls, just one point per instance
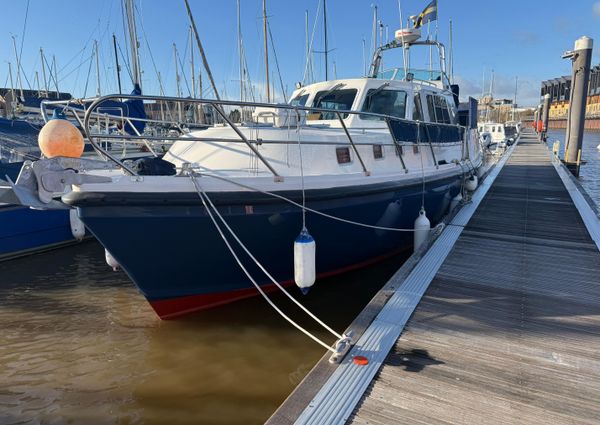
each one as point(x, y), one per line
point(596, 8)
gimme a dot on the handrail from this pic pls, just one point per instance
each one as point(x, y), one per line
point(362, 163)
point(217, 105)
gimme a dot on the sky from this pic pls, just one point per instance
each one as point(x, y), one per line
point(514, 38)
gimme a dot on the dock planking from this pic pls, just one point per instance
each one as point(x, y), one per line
point(509, 329)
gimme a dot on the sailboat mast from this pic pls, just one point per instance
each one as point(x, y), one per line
point(515, 100)
point(117, 66)
point(193, 68)
point(12, 89)
point(19, 82)
point(135, 56)
point(240, 54)
point(199, 43)
point(180, 112)
point(44, 70)
point(266, 51)
point(325, 34)
point(55, 76)
point(98, 90)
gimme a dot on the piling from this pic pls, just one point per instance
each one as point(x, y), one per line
point(545, 115)
point(581, 57)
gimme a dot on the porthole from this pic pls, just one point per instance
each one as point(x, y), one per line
point(377, 151)
point(343, 155)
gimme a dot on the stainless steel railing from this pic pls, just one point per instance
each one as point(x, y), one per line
point(85, 111)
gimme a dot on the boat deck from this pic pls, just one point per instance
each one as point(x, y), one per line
point(508, 330)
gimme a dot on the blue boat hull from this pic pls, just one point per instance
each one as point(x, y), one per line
point(25, 231)
point(172, 251)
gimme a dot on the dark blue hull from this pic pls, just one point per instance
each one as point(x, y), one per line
point(173, 253)
point(26, 231)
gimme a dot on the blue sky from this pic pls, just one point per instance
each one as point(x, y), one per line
point(522, 38)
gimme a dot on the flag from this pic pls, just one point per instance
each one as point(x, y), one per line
point(427, 15)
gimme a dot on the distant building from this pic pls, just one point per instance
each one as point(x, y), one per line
point(559, 90)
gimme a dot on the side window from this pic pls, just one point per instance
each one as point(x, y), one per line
point(343, 155)
point(341, 100)
point(377, 151)
point(431, 108)
point(443, 113)
point(386, 102)
point(417, 112)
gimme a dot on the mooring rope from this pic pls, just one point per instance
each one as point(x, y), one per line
point(205, 199)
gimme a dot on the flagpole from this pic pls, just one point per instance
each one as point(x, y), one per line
point(403, 47)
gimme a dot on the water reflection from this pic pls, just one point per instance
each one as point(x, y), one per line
point(80, 345)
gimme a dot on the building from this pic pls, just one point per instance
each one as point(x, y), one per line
point(559, 90)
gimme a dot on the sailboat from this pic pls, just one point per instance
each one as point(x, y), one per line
point(352, 161)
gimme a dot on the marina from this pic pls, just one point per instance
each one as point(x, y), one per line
point(277, 238)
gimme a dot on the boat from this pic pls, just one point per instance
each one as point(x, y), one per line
point(355, 160)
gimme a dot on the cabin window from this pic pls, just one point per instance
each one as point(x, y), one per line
point(377, 151)
point(341, 100)
point(299, 100)
point(441, 110)
point(385, 102)
point(343, 155)
point(415, 149)
point(438, 109)
point(399, 150)
point(431, 108)
point(417, 112)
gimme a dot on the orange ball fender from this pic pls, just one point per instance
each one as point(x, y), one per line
point(59, 137)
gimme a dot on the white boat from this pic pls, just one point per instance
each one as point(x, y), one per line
point(361, 157)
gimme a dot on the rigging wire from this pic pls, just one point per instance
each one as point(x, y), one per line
point(310, 48)
point(276, 62)
point(204, 198)
point(299, 205)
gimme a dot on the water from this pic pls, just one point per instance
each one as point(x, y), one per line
point(80, 345)
point(589, 175)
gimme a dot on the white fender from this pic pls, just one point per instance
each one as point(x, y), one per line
point(471, 183)
point(305, 261)
point(77, 226)
point(456, 201)
point(110, 260)
point(422, 227)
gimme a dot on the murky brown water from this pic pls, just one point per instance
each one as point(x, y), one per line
point(79, 345)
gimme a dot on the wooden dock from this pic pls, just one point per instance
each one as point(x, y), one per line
point(508, 330)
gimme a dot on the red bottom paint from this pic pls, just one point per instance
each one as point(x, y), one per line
point(175, 307)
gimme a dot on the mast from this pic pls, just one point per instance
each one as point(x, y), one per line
point(44, 70)
point(177, 82)
point(162, 93)
point(374, 31)
point(13, 101)
point(117, 66)
point(135, 55)
point(55, 76)
point(19, 82)
point(451, 54)
point(266, 51)
point(240, 55)
point(98, 90)
point(193, 68)
point(515, 100)
point(199, 43)
point(36, 83)
point(325, 33)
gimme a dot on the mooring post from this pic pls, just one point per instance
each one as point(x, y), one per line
point(581, 57)
point(536, 117)
point(545, 116)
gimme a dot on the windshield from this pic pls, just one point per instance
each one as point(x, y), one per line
point(299, 100)
point(341, 100)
